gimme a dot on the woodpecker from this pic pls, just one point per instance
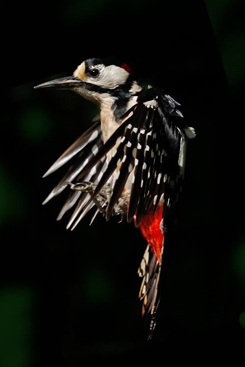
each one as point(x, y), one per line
point(130, 162)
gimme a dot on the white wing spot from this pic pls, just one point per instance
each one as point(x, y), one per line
point(155, 200)
point(91, 173)
point(151, 104)
point(85, 162)
point(93, 136)
point(95, 149)
point(100, 176)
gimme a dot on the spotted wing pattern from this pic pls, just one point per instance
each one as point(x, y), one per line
point(148, 160)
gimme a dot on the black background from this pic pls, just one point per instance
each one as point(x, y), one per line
point(82, 285)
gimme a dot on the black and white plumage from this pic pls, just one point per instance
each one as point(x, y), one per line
point(130, 163)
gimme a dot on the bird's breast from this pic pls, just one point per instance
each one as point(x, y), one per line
point(108, 113)
point(108, 123)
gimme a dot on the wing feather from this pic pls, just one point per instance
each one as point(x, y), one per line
point(88, 136)
point(85, 202)
point(146, 157)
point(82, 160)
point(139, 167)
point(74, 195)
point(127, 164)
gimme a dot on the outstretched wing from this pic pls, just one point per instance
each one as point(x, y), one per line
point(149, 158)
point(79, 154)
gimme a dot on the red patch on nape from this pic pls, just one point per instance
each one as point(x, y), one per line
point(151, 230)
point(127, 68)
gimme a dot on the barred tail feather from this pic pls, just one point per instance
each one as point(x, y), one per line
point(150, 271)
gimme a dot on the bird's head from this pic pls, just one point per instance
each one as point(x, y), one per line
point(95, 78)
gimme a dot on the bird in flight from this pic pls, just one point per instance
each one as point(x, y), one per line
point(129, 163)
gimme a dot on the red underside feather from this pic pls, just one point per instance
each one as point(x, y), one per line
point(151, 230)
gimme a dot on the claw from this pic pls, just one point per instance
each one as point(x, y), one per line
point(88, 187)
point(102, 199)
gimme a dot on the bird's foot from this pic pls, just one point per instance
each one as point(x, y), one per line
point(102, 199)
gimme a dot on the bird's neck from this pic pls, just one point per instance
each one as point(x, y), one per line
point(114, 105)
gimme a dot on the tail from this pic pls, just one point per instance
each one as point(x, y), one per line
point(150, 271)
point(150, 267)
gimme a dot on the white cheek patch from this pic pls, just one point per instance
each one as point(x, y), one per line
point(111, 77)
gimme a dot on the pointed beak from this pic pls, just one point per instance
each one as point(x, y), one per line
point(69, 82)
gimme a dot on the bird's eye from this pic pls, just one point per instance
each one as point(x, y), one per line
point(94, 72)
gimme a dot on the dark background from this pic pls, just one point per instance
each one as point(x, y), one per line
point(70, 298)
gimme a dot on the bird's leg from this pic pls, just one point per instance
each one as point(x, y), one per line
point(88, 187)
point(102, 199)
point(85, 186)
